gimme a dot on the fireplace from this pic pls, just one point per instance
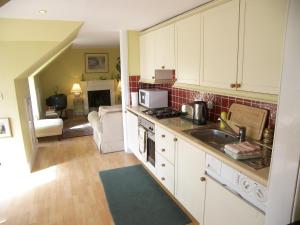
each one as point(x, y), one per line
point(97, 93)
point(98, 98)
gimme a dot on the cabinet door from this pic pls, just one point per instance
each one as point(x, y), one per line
point(262, 39)
point(224, 208)
point(132, 133)
point(220, 45)
point(147, 56)
point(188, 50)
point(164, 46)
point(189, 168)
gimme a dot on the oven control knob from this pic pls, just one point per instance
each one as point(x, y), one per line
point(163, 165)
point(163, 150)
point(163, 136)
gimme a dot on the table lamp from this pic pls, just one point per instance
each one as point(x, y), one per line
point(77, 102)
point(76, 90)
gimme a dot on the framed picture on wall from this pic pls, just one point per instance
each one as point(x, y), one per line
point(5, 130)
point(96, 62)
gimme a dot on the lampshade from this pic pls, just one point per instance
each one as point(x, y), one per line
point(76, 89)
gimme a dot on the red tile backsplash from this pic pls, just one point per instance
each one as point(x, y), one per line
point(221, 103)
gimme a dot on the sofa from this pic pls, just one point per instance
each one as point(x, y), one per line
point(107, 127)
point(49, 127)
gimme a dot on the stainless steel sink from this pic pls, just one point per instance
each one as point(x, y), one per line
point(213, 137)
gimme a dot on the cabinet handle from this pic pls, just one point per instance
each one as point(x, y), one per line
point(163, 165)
point(163, 150)
point(163, 136)
point(202, 179)
point(175, 139)
point(163, 179)
point(153, 78)
point(163, 67)
point(233, 85)
point(238, 85)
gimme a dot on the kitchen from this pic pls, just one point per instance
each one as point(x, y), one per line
point(203, 179)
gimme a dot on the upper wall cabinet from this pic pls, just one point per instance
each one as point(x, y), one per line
point(147, 56)
point(187, 39)
point(220, 27)
point(164, 48)
point(261, 45)
point(157, 51)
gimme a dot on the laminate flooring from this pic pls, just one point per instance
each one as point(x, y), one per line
point(64, 188)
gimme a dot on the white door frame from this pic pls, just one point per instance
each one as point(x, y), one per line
point(124, 82)
point(283, 192)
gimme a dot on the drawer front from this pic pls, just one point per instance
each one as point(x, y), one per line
point(165, 172)
point(165, 143)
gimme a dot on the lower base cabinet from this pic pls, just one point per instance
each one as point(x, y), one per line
point(224, 208)
point(189, 178)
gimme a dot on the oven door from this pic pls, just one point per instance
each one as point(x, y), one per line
point(151, 148)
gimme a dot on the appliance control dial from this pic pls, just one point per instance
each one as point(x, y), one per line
point(245, 185)
point(260, 193)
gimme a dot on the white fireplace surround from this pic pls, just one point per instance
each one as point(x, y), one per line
point(97, 85)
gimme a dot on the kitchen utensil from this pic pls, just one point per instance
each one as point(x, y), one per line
point(200, 113)
point(254, 119)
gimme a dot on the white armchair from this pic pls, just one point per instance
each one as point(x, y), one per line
point(108, 128)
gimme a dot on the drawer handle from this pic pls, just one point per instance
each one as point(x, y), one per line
point(163, 179)
point(233, 85)
point(163, 165)
point(202, 179)
point(163, 67)
point(163, 150)
point(163, 136)
point(175, 139)
point(238, 85)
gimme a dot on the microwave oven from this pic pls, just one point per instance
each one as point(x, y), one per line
point(153, 98)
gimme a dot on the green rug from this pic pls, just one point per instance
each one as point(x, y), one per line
point(135, 198)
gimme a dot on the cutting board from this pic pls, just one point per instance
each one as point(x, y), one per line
point(254, 119)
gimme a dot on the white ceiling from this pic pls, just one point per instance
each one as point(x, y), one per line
point(102, 18)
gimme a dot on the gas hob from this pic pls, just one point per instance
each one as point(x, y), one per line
point(162, 113)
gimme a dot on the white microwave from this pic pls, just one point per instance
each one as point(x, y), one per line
point(153, 98)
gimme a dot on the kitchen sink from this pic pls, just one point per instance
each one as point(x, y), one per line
point(213, 137)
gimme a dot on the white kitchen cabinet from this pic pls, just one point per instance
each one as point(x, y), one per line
point(165, 172)
point(132, 133)
point(147, 56)
point(164, 48)
point(157, 51)
point(190, 180)
point(219, 45)
point(165, 143)
point(224, 208)
point(261, 45)
point(187, 36)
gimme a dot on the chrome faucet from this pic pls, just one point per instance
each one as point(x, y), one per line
point(242, 130)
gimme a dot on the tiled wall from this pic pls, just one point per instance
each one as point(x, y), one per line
point(221, 103)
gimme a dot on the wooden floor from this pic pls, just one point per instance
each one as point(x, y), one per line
point(65, 188)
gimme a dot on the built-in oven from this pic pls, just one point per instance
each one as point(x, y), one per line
point(147, 142)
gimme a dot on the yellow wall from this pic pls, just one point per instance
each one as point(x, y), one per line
point(68, 68)
point(133, 53)
point(19, 59)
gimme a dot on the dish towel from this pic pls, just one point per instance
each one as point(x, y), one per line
point(143, 142)
point(243, 150)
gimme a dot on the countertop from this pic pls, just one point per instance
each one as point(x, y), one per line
point(177, 125)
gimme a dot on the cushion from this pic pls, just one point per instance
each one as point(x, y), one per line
point(105, 109)
point(48, 127)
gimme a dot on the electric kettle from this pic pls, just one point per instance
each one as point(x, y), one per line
point(200, 113)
